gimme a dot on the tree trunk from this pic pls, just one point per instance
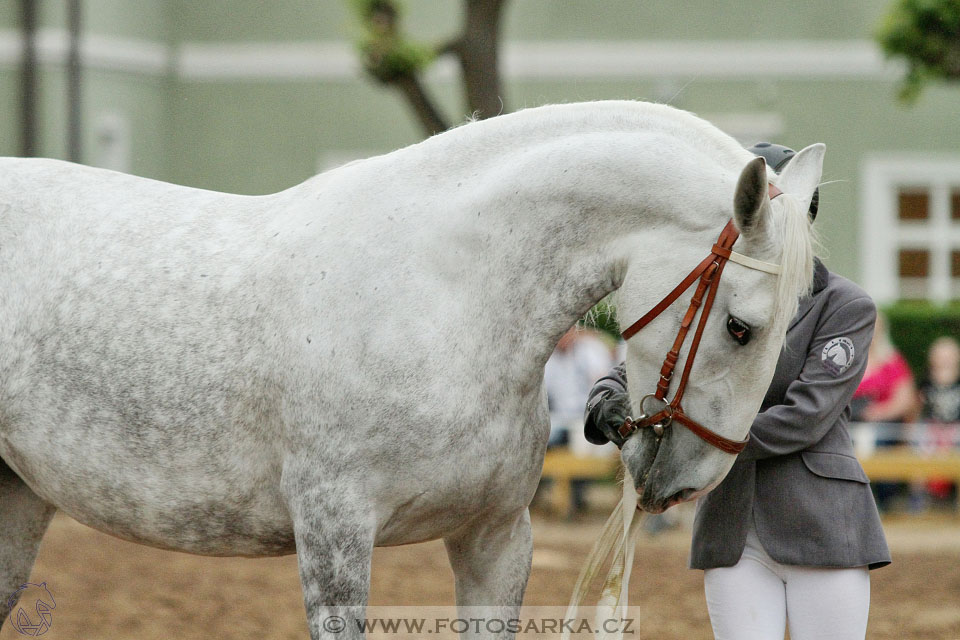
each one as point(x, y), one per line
point(74, 97)
point(28, 79)
point(478, 53)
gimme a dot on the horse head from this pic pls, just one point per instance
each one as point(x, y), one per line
point(740, 340)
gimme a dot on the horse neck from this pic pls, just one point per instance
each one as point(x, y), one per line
point(518, 225)
point(548, 233)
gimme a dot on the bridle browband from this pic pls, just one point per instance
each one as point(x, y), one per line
point(708, 272)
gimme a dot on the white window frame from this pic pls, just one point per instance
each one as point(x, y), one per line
point(884, 233)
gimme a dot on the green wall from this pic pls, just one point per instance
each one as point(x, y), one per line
point(9, 125)
point(692, 19)
point(9, 89)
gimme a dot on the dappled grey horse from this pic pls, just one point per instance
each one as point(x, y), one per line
point(358, 360)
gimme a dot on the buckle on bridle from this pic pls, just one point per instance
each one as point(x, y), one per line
point(659, 426)
point(630, 425)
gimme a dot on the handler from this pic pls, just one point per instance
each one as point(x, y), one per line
point(791, 533)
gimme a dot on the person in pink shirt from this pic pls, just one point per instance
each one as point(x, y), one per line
point(887, 392)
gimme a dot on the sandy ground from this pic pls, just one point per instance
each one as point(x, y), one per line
point(109, 589)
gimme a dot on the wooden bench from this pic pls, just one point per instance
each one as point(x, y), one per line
point(563, 466)
point(906, 464)
point(897, 464)
point(901, 464)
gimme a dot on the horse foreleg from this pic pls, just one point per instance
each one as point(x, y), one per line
point(23, 520)
point(334, 539)
point(491, 564)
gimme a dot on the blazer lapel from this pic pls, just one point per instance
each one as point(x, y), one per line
point(806, 303)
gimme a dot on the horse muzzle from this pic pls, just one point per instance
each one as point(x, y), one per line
point(652, 503)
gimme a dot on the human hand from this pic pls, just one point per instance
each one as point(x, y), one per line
point(606, 418)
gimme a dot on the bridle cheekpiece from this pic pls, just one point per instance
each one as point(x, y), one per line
point(656, 412)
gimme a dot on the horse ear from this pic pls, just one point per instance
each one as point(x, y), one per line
point(802, 174)
point(750, 204)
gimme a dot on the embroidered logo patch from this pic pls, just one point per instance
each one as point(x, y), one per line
point(837, 355)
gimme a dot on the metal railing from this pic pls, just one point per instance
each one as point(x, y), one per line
point(922, 438)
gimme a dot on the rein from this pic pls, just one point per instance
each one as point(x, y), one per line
point(708, 272)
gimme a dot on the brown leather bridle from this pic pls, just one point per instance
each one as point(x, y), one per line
point(708, 272)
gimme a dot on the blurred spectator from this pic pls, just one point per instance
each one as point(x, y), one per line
point(940, 393)
point(887, 392)
point(580, 359)
point(940, 411)
point(887, 395)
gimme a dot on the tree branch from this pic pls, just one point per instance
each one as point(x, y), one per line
point(422, 105)
point(451, 46)
point(392, 59)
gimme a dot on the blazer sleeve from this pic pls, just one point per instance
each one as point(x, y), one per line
point(815, 400)
point(613, 383)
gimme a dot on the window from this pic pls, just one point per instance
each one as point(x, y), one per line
point(913, 204)
point(911, 228)
point(914, 273)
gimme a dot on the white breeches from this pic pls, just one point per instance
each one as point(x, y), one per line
point(757, 597)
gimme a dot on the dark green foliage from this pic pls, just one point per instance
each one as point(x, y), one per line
point(387, 53)
point(927, 34)
point(915, 325)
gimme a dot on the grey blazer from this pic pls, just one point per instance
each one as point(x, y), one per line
point(798, 477)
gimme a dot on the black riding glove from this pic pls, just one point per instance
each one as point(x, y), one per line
point(606, 412)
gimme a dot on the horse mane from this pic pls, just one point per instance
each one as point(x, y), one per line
point(795, 235)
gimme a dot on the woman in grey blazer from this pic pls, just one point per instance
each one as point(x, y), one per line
point(790, 534)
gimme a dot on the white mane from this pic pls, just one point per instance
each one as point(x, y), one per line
point(794, 234)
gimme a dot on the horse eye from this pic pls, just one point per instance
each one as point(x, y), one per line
point(739, 329)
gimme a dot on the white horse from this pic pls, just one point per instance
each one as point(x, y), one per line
point(358, 360)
